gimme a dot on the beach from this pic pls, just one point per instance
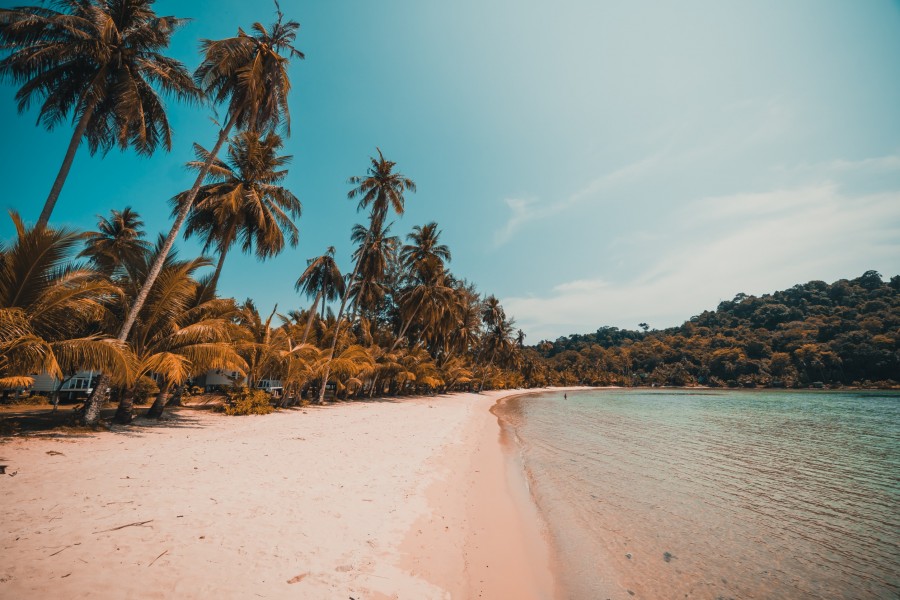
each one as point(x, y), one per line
point(395, 498)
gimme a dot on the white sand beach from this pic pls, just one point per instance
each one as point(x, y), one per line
point(407, 498)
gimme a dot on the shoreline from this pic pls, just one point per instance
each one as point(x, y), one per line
point(415, 497)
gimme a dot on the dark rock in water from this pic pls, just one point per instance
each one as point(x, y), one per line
point(668, 556)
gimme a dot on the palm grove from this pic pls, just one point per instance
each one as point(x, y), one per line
point(112, 301)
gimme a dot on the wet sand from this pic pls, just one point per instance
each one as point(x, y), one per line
point(413, 498)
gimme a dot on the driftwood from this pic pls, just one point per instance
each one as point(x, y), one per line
point(158, 557)
point(135, 524)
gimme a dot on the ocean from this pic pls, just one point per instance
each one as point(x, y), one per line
point(724, 495)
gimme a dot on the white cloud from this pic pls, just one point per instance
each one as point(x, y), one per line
point(752, 243)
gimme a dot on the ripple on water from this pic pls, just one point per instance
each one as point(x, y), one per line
point(673, 494)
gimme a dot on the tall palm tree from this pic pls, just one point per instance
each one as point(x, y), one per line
point(118, 241)
point(376, 250)
point(380, 190)
point(98, 61)
point(243, 200)
point(499, 335)
point(424, 257)
point(49, 308)
point(322, 279)
point(427, 296)
point(249, 74)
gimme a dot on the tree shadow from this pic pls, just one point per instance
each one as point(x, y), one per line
point(44, 422)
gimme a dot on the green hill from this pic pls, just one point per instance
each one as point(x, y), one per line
point(846, 333)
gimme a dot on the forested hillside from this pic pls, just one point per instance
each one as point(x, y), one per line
point(815, 334)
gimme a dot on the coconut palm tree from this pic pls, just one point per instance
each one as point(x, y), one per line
point(498, 339)
point(177, 337)
point(249, 74)
point(376, 250)
point(243, 199)
point(98, 61)
point(427, 297)
point(379, 190)
point(49, 310)
point(261, 345)
point(424, 257)
point(118, 241)
point(423, 301)
point(322, 279)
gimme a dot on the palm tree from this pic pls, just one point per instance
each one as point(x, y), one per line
point(427, 297)
point(494, 318)
point(321, 279)
point(49, 309)
point(243, 199)
point(248, 73)
point(177, 336)
point(118, 241)
point(262, 346)
point(424, 256)
point(498, 340)
point(375, 252)
point(98, 62)
point(380, 190)
point(426, 301)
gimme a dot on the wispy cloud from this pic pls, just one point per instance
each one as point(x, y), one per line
point(699, 140)
point(751, 243)
point(525, 210)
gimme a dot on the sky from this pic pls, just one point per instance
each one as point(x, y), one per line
point(589, 163)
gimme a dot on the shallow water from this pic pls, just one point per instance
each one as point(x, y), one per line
point(717, 494)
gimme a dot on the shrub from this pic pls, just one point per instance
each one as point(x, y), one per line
point(248, 402)
point(144, 389)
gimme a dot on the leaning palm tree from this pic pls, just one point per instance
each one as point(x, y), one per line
point(322, 279)
point(379, 190)
point(178, 337)
point(249, 74)
point(98, 61)
point(243, 199)
point(50, 309)
point(118, 241)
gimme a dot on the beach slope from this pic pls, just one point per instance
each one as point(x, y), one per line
point(408, 498)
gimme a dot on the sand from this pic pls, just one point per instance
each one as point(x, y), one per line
point(413, 498)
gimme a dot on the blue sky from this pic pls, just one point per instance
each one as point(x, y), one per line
point(589, 163)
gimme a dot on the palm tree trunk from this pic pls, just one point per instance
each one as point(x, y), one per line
point(484, 374)
point(175, 398)
point(93, 403)
point(50, 203)
point(159, 404)
point(404, 328)
point(312, 314)
point(214, 282)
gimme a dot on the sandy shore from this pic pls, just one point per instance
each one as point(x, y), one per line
point(387, 499)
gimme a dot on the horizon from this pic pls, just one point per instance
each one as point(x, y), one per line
point(589, 165)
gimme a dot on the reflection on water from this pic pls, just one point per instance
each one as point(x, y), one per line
point(720, 495)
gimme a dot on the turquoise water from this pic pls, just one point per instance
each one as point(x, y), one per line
point(716, 494)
